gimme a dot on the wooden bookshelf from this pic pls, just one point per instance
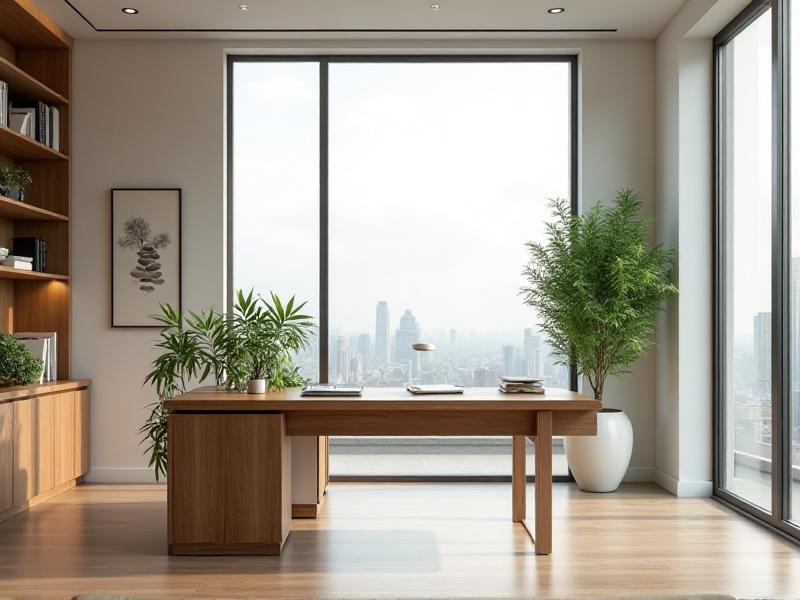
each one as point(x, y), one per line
point(46, 428)
point(35, 55)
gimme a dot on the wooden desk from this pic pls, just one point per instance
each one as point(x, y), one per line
point(230, 457)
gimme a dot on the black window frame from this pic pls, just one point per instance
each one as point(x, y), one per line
point(778, 516)
point(324, 62)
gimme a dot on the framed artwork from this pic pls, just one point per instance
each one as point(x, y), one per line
point(145, 254)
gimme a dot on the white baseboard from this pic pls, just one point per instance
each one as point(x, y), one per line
point(120, 475)
point(683, 488)
point(638, 474)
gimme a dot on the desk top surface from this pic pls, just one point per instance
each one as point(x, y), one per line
point(381, 399)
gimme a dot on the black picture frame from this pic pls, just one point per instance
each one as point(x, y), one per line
point(122, 315)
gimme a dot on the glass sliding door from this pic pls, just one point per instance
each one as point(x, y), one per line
point(758, 264)
point(793, 433)
point(747, 210)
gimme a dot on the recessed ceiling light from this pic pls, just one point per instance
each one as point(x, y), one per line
point(243, 7)
point(556, 10)
point(130, 11)
point(435, 7)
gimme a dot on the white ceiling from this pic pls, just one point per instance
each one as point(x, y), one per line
point(628, 19)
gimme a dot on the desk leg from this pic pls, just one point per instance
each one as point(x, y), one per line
point(544, 482)
point(518, 507)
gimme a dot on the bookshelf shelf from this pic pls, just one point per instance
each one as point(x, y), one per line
point(23, 25)
point(9, 273)
point(23, 85)
point(21, 211)
point(17, 146)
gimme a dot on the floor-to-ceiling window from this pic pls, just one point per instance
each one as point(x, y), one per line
point(758, 268)
point(397, 195)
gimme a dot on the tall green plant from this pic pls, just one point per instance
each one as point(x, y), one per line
point(258, 340)
point(597, 287)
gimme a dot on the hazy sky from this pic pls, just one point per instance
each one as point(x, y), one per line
point(751, 174)
point(439, 173)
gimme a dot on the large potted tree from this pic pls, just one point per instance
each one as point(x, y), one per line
point(597, 287)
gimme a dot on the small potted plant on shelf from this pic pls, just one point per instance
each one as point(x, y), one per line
point(597, 288)
point(13, 181)
point(17, 365)
point(256, 342)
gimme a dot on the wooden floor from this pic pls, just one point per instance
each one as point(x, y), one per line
point(402, 540)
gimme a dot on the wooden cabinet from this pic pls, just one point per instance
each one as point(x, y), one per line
point(64, 437)
point(229, 484)
point(6, 456)
point(44, 442)
point(81, 433)
point(24, 478)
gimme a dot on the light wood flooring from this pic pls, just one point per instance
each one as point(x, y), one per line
point(404, 540)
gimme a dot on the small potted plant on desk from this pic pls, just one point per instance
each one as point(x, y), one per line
point(270, 333)
point(13, 181)
point(597, 289)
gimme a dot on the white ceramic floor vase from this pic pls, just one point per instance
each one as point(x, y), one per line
point(599, 462)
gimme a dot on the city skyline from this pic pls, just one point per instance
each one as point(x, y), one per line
point(358, 357)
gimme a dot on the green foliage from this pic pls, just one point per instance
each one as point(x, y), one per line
point(270, 334)
point(17, 365)
point(597, 287)
point(257, 341)
point(11, 177)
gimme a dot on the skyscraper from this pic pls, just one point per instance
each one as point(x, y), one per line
point(382, 332)
point(762, 349)
point(342, 360)
point(407, 334)
point(363, 344)
point(532, 354)
point(509, 362)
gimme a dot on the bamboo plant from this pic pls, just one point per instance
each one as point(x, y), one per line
point(598, 287)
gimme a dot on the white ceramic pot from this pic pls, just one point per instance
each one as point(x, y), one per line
point(599, 463)
point(256, 386)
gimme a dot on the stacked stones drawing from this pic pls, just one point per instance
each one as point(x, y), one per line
point(138, 236)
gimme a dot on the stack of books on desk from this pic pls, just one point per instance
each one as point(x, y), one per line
point(521, 385)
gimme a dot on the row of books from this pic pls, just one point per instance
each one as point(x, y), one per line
point(521, 385)
point(38, 121)
point(28, 254)
point(43, 346)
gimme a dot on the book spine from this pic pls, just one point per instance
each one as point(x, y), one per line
point(3, 104)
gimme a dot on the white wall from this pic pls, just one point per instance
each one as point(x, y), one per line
point(684, 134)
point(150, 113)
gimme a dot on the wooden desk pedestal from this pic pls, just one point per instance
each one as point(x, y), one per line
point(229, 483)
point(230, 457)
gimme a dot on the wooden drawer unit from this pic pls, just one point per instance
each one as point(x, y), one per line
point(44, 442)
